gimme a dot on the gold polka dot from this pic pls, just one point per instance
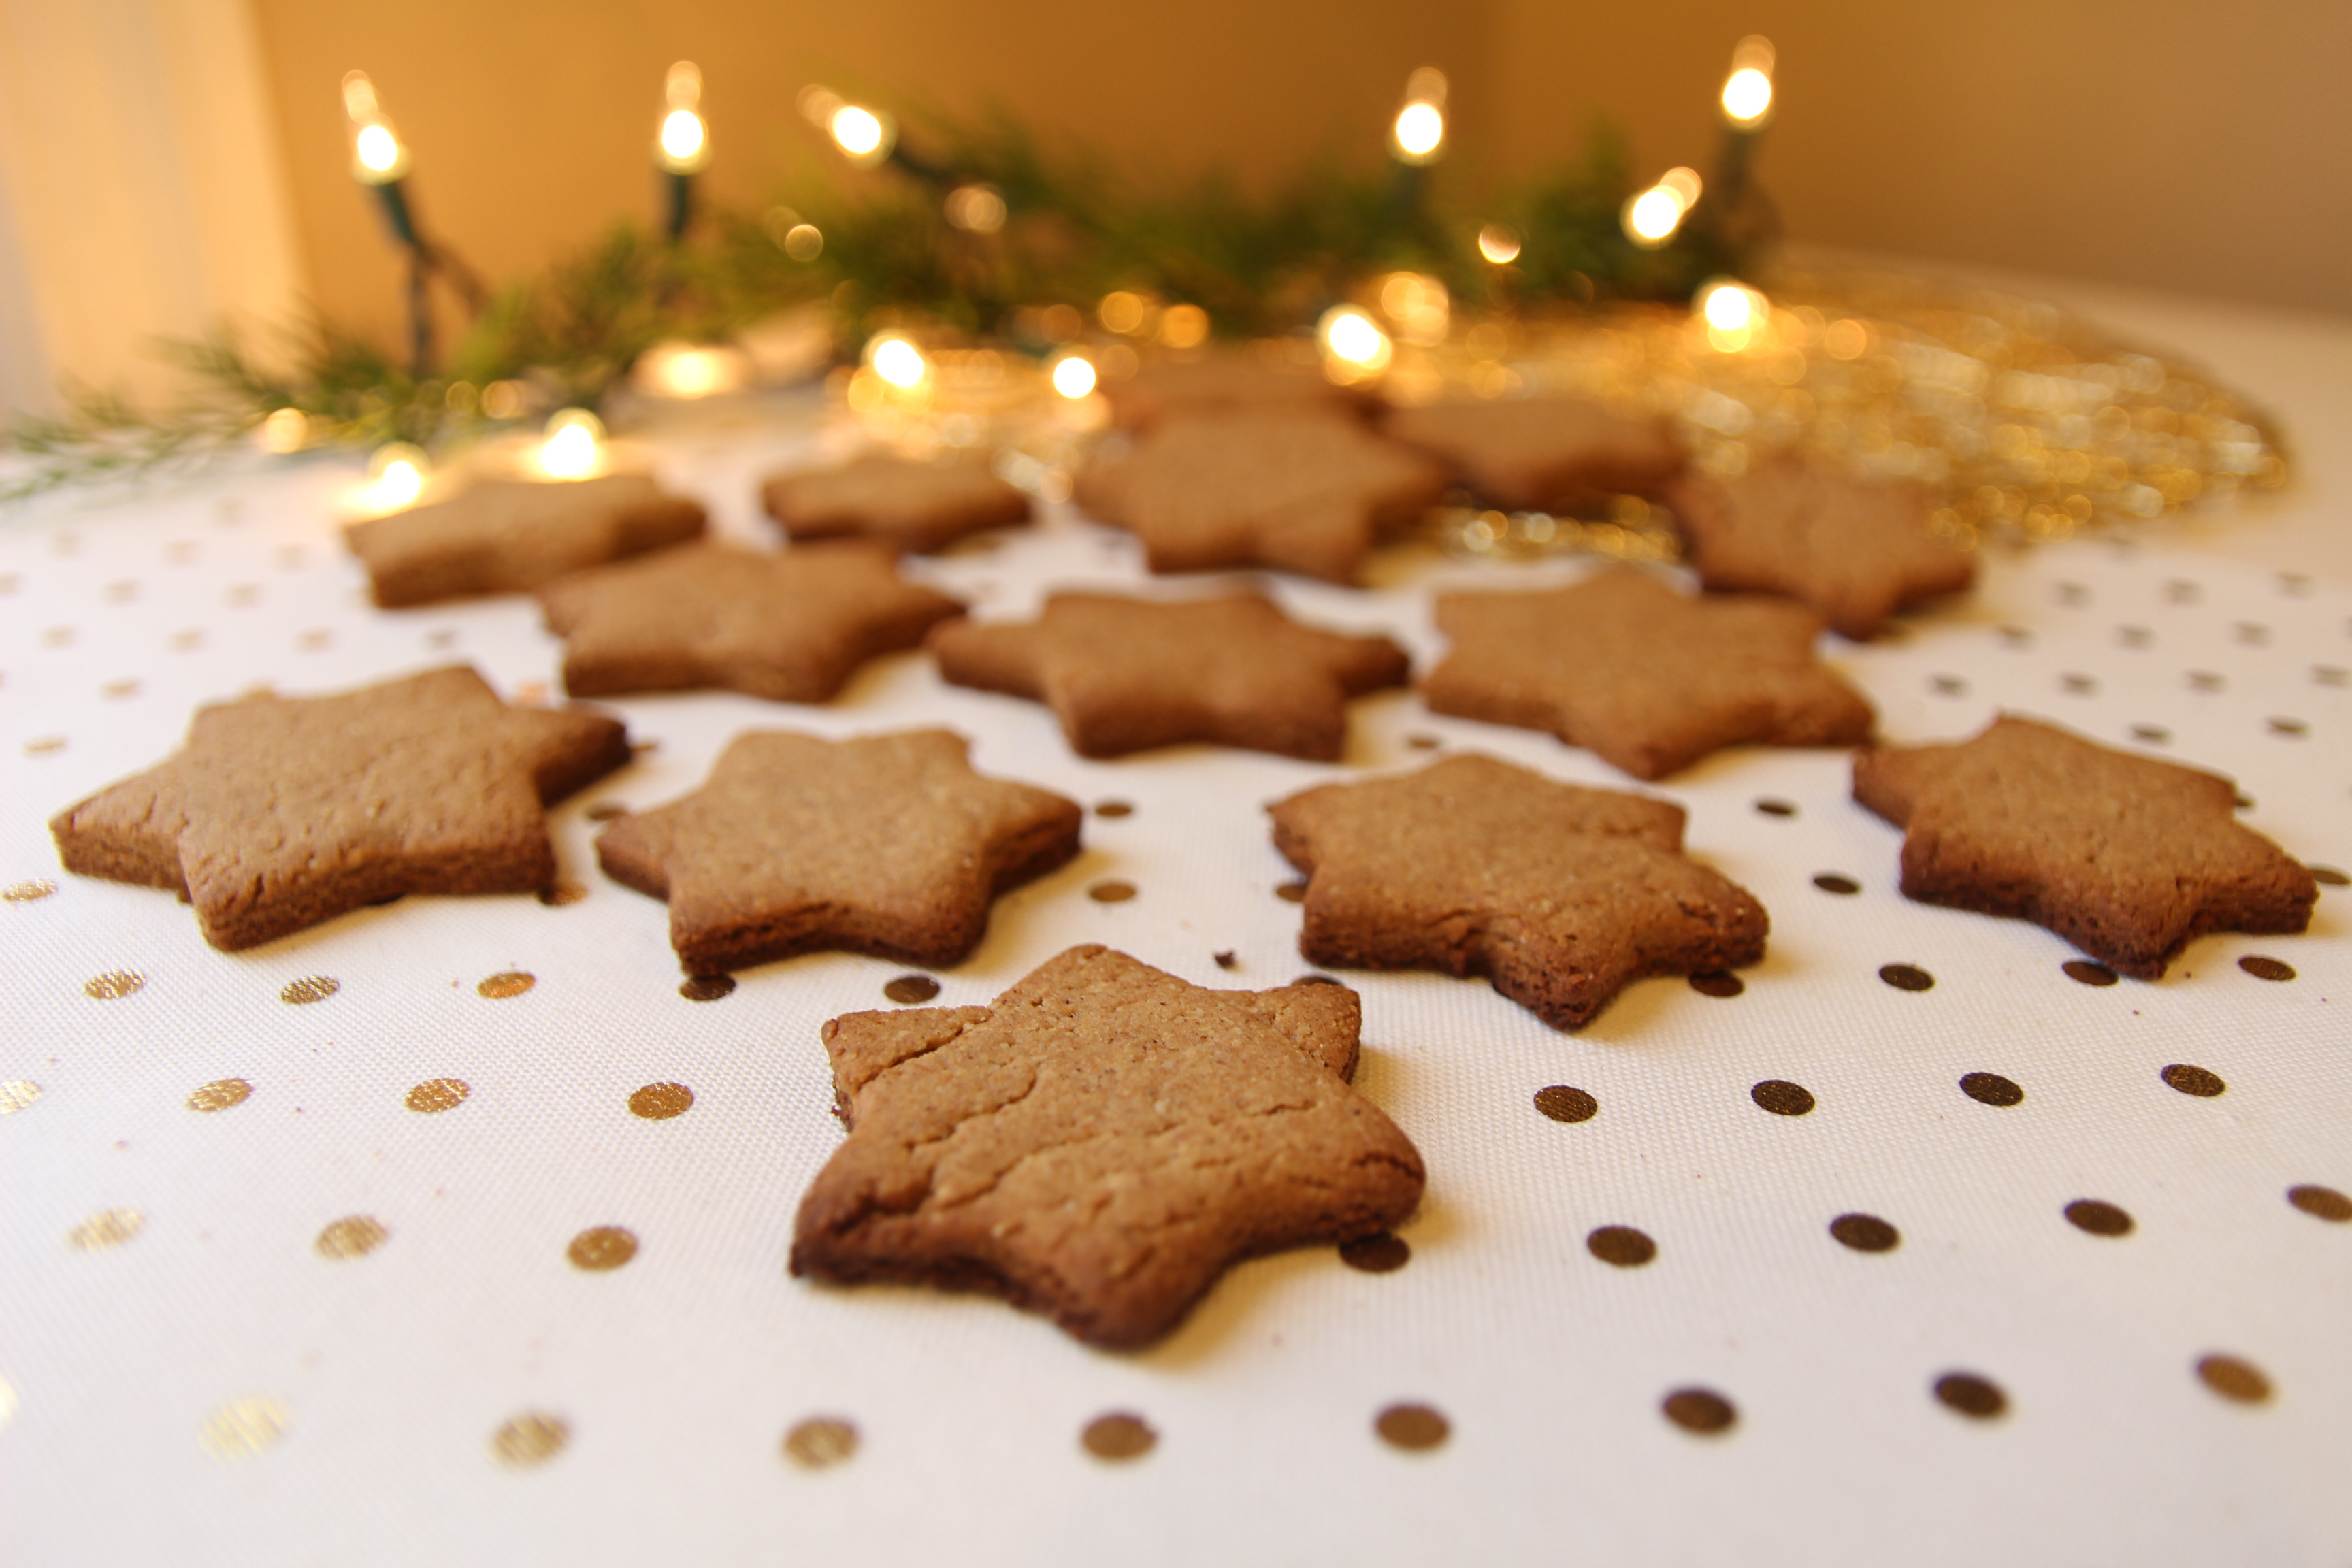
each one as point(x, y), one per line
point(1700, 1410)
point(438, 1094)
point(309, 988)
point(244, 1427)
point(820, 1441)
point(312, 641)
point(114, 983)
point(107, 1228)
point(115, 690)
point(354, 1235)
point(41, 746)
point(58, 636)
point(185, 642)
point(561, 894)
point(1111, 892)
point(2240, 1382)
point(1411, 1426)
point(17, 1094)
point(530, 1438)
point(604, 1248)
point(506, 983)
point(1118, 1435)
point(27, 892)
point(660, 1101)
point(220, 1094)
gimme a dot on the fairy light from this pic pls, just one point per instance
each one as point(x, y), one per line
point(1073, 375)
point(1350, 338)
point(285, 430)
point(1748, 91)
point(1652, 216)
point(1499, 244)
point(687, 371)
point(682, 146)
point(976, 208)
point(1418, 305)
point(396, 475)
point(897, 361)
point(1419, 132)
point(1735, 314)
point(574, 445)
point(1184, 326)
point(379, 157)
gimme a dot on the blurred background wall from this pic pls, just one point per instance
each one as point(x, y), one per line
point(2168, 142)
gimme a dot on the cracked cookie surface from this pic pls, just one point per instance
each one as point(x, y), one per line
point(1100, 1143)
point(1559, 896)
point(885, 843)
point(2128, 857)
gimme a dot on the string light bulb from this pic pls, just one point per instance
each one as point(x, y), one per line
point(1499, 244)
point(1748, 91)
point(1350, 339)
point(285, 430)
point(1652, 216)
point(1735, 314)
point(684, 145)
point(378, 155)
point(574, 445)
point(897, 361)
point(1419, 132)
point(1073, 375)
point(397, 474)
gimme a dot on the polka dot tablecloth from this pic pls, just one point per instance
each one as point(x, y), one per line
point(454, 1230)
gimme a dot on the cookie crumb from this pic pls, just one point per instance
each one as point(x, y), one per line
point(1225, 960)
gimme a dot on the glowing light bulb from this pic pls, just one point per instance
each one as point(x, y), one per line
point(1420, 128)
point(1073, 375)
point(682, 138)
point(378, 156)
point(857, 130)
point(1728, 307)
point(1350, 336)
point(398, 473)
point(1652, 218)
point(285, 430)
point(378, 149)
point(575, 447)
point(1498, 244)
point(1747, 91)
point(897, 361)
point(687, 371)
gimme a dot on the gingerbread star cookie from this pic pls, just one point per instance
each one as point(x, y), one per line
point(1100, 1143)
point(279, 813)
point(1560, 895)
point(1855, 550)
point(507, 536)
point(1650, 678)
point(1542, 454)
point(918, 507)
point(791, 627)
point(1124, 675)
point(2128, 857)
point(887, 843)
point(1297, 491)
point(1226, 382)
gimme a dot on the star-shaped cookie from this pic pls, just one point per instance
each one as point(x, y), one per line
point(1099, 1144)
point(279, 813)
point(1855, 550)
point(918, 507)
point(1298, 492)
point(1124, 675)
point(887, 844)
point(1650, 678)
point(507, 536)
point(1536, 454)
point(1226, 382)
point(791, 627)
point(1560, 895)
point(2128, 857)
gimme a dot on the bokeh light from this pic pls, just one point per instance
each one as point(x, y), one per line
point(897, 361)
point(397, 474)
point(977, 210)
point(858, 132)
point(1073, 375)
point(574, 445)
point(1184, 326)
point(1420, 128)
point(1499, 244)
point(1652, 218)
point(1350, 337)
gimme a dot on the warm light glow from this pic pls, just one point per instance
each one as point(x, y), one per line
point(1728, 307)
point(1498, 244)
point(857, 130)
point(378, 149)
point(1184, 326)
point(1418, 305)
point(285, 430)
point(1747, 91)
point(378, 156)
point(1073, 375)
point(1121, 312)
point(682, 87)
point(1350, 335)
point(897, 361)
point(1684, 184)
point(683, 140)
point(687, 371)
point(1420, 128)
point(977, 210)
point(1652, 218)
point(398, 474)
point(575, 448)
point(803, 242)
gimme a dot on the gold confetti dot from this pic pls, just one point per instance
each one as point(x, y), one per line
point(1411, 1426)
point(2240, 1382)
point(186, 642)
point(506, 983)
point(41, 746)
point(530, 1438)
point(312, 641)
point(58, 636)
point(17, 1094)
point(354, 1235)
point(660, 1101)
point(309, 988)
point(561, 894)
point(604, 1248)
point(820, 1441)
point(220, 1094)
point(1111, 892)
point(27, 892)
point(113, 984)
point(107, 1228)
point(117, 689)
point(1118, 1435)
point(438, 1094)
point(244, 1427)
